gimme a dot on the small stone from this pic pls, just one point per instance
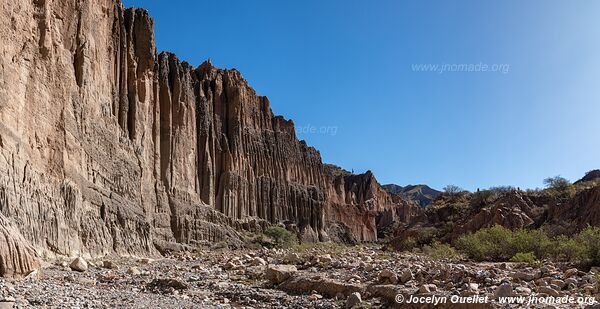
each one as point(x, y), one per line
point(473, 287)
point(548, 290)
point(257, 261)
point(79, 264)
point(387, 276)
point(109, 264)
point(406, 276)
point(425, 289)
point(314, 297)
point(559, 283)
point(521, 290)
point(525, 276)
point(325, 259)
point(571, 272)
point(353, 300)
point(146, 261)
point(292, 258)
point(504, 290)
point(570, 281)
point(134, 271)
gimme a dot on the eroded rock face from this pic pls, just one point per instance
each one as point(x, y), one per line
point(513, 211)
point(17, 256)
point(576, 213)
point(106, 146)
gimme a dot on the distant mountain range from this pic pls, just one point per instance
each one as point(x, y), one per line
point(420, 194)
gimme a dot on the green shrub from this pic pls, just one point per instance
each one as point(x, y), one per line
point(521, 257)
point(589, 242)
point(440, 251)
point(481, 198)
point(536, 241)
point(498, 243)
point(567, 249)
point(487, 244)
point(281, 236)
point(406, 244)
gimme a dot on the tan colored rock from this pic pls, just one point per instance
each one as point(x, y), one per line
point(548, 291)
point(134, 271)
point(387, 276)
point(17, 257)
point(79, 264)
point(108, 146)
point(570, 272)
point(257, 261)
point(277, 274)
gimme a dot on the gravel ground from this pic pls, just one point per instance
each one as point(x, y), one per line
point(312, 277)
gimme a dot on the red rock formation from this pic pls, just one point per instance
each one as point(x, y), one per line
point(576, 213)
point(513, 211)
point(108, 147)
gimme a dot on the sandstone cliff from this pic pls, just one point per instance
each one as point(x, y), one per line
point(107, 146)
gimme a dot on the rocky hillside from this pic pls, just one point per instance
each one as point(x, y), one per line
point(420, 194)
point(107, 146)
point(451, 215)
point(590, 176)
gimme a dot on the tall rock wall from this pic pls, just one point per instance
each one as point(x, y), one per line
point(107, 146)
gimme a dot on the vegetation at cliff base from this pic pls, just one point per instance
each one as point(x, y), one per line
point(282, 237)
point(498, 243)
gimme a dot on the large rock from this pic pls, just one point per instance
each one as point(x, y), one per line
point(17, 257)
point(277, 274)
point(79, 264)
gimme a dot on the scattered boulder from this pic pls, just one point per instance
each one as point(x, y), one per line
point(109, 264)
point(548, 291)
point(521, 290)
point(504, 290)
point(406, 276)
point(323, 259)
point(292, 258)
point(387, 276)
point(134, 271)
point(570, 272)
point(353, 300)
point(522, 275)
point(315, 296)
point(427, 288)
point(79, 264)
point(277, 274)
point(257, 261)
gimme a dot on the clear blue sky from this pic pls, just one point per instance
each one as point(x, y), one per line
point(346, 67)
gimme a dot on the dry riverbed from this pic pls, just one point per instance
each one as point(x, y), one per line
point(312, 277)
